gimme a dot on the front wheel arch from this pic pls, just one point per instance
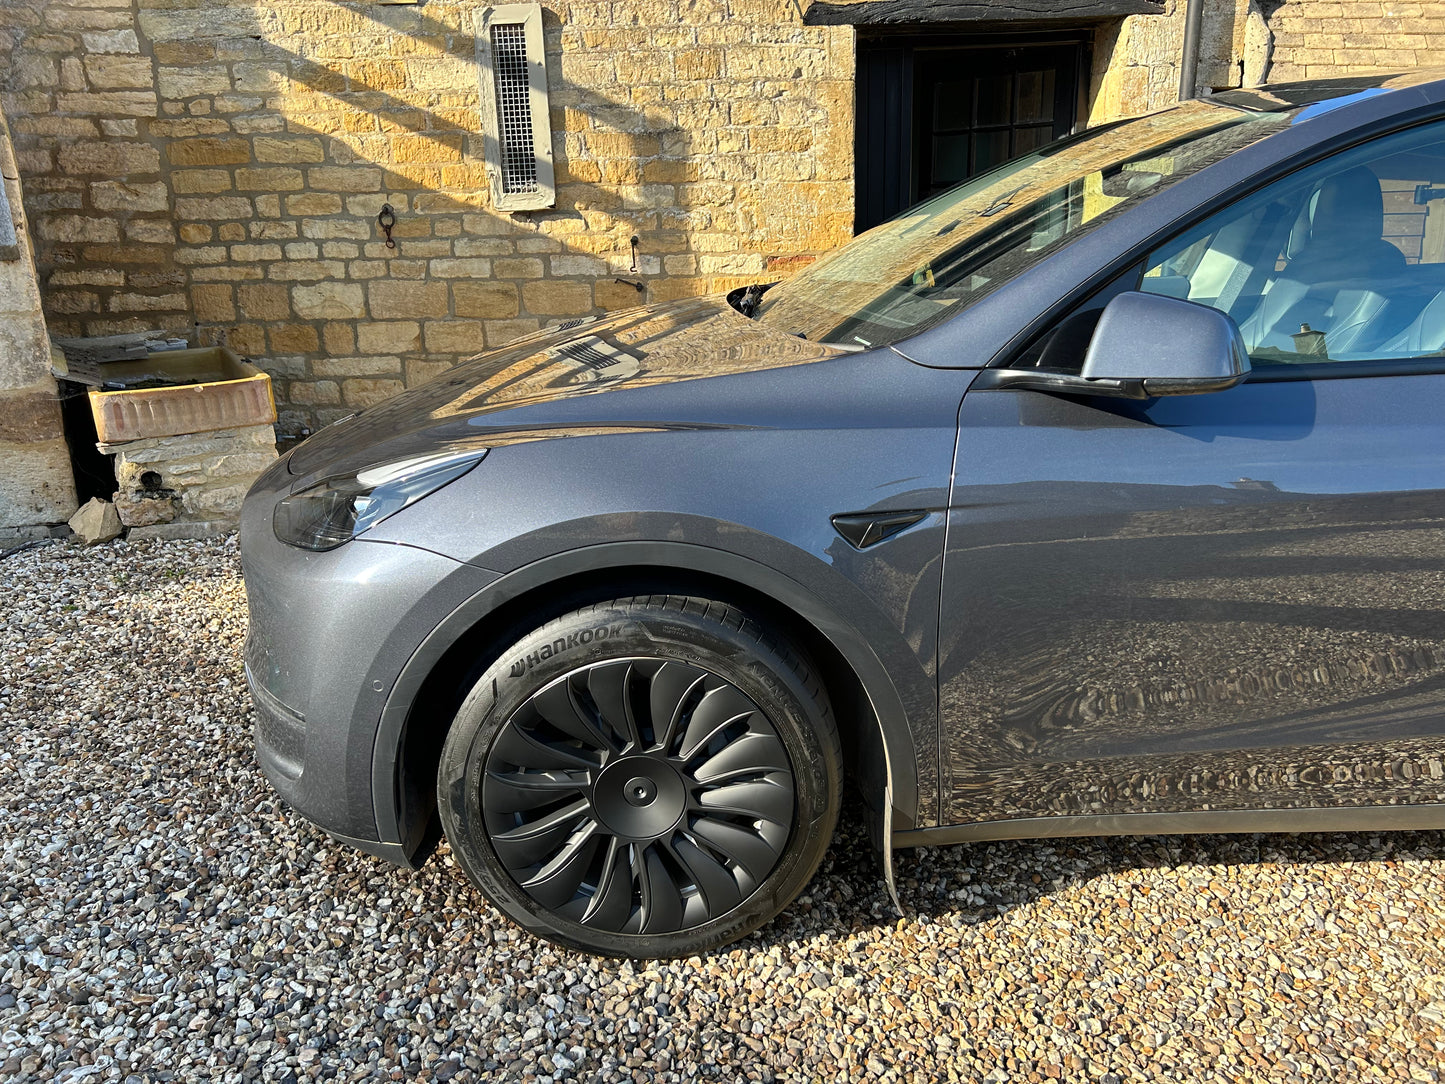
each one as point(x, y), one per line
point(879, 746)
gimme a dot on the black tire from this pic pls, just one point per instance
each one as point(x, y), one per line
point(648, 777)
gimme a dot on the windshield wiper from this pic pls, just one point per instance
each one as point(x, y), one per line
point(746, 299)
point(1003, 200)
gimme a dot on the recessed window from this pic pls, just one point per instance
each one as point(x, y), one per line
point(517, 145)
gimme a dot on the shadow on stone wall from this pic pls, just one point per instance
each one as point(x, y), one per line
point(245, 207)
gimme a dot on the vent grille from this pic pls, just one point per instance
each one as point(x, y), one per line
point(517, 130)
point(592, 353)
point(514, 108)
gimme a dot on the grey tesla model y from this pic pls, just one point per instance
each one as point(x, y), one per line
point(1104, 493)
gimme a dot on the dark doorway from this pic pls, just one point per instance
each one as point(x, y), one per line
point(935, 111)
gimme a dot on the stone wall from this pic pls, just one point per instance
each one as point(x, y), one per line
point(1136, 61)
point(36, 485)
point(218, 167)
point(1316, 38)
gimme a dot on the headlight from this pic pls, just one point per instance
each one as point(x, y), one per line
point(336, 510)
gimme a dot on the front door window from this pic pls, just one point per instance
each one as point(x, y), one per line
point(1343, 261)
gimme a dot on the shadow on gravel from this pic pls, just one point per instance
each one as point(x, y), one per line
point(973, 883)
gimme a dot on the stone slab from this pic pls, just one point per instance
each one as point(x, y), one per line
point(192, 529)
point(96, 522)
point(9, 243)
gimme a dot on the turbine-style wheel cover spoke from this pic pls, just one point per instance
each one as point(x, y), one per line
point(638, 796)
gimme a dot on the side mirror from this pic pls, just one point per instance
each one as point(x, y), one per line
point(1146, 345)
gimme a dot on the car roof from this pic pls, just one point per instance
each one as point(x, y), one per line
point(1335, 90)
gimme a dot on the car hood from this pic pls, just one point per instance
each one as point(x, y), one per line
point(559, 382)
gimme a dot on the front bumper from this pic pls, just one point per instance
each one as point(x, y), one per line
point(329, 634)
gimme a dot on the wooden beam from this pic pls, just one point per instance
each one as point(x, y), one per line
point(896, 12)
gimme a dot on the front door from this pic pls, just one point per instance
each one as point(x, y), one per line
point(1232, 600)
point(934, 112)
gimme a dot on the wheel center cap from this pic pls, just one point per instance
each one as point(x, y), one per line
point(640, 791)
point(639, 797)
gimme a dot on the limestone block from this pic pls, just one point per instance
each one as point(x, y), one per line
point(407, 300)
point(520, 268)
point(419, 370)
point(265, 302)
point(91, 276)
point(340, 338)
point(72, 228)
point(288, 151)
point(266, 253)
point(97, 521)
point(209, 152)
point(144, 509)
point(314, 392)
point(389, 337)
point(345, 179)
point(200, 181)
point(203, 254)
point(1258, 46)
point(330, 229)
point(330, 301)
point(271, 179)
point(307, 270)
point(176, 83)
point(452, 337)
point(24, 347)
point(111, 41)
point(577, 266)
point(130, 302)
point(294, 339)
point(206, 502)
point(121, 196)
point(199, 24)
point(124, 103)
point(365, 392)
point(151, 231)
point(485, 299)
point(213, 303)
point(130, 72)
point(610, 294)
point(501, 332)
point(313, 203)
point(36, 485)
point(191, 126)
point(557, 298)
point(214, 209)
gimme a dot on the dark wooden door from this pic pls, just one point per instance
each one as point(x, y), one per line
point(934, 112)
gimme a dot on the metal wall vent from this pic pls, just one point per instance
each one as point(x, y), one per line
point(517, 144)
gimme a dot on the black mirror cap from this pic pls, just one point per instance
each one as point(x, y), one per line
point(1172, 346)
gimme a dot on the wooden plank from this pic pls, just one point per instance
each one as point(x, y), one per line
point(896, 12)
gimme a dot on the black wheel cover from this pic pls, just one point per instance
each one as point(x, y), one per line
point(638, 796)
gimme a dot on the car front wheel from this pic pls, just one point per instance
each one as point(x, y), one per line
point(647, 777)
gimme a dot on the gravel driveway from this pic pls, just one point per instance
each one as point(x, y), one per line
point(164, 917)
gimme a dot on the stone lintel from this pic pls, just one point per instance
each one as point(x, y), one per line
point(932, 12)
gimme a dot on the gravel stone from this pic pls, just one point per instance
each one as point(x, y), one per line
point(164, 916)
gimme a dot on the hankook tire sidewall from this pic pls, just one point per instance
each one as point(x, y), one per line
point(763, 674)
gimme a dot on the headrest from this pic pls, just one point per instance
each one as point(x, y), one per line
point(1349, 211)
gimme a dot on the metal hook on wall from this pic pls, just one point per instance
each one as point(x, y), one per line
point(386, 219)
point(634, 253)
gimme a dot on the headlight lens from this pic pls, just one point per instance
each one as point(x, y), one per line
point(336, 510)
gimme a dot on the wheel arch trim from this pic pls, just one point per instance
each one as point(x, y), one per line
point(889, 714)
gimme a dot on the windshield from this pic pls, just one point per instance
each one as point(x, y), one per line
point(941, 256)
